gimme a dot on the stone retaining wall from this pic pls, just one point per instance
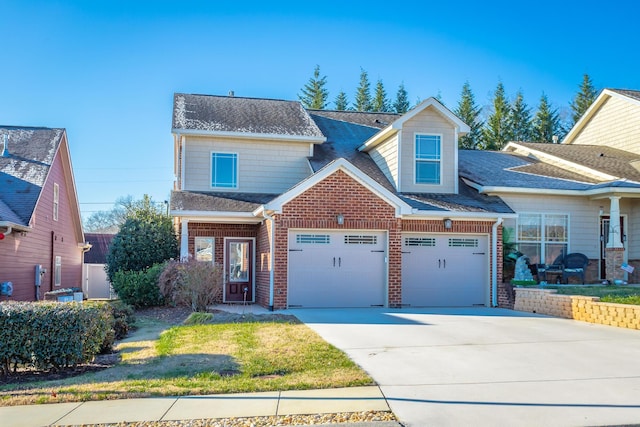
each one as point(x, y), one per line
point(577, 307)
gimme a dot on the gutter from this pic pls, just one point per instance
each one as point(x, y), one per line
point(494, 262)
point(6, 233)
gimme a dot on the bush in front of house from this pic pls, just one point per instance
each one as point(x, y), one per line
point(49, 335)
point(139, 288)
point(192, 283)
point(121, 317)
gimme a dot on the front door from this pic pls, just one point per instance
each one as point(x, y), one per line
point(238, 270)
point(604, 239)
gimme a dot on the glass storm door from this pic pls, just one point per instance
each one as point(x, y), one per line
point(238, 265)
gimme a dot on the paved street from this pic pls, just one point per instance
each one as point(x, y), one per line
point(483, 366)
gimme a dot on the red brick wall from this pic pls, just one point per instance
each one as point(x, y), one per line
point(318, 208)
point(219, 231)
point(48, 239)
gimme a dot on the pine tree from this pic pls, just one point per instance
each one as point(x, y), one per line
point(314, 94)
point(469, 113)
point(496, 132)
point(584, 98)
point(546, 123)
point(520, 119)
point(380, 100)
point(401, 104)
point(363, 94)
point(342, 102)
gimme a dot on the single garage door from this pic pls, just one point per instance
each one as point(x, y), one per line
point(336, 268)
point(444, 270)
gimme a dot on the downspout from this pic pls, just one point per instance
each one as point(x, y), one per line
point(494, 262)
point(6, 232)
point(272, 257)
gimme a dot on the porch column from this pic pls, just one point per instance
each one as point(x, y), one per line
point(615, 240)
point(184, 240)
point(614, 252)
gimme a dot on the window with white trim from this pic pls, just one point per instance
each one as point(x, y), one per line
point(57, 271)
point(56, 201)
point(204, 249)
point(543, 237)
point(224, 170)
point(427, 157)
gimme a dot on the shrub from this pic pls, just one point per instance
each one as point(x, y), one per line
point(121, 318)
point(192, 283)
point(47, 335)
point(139, 288)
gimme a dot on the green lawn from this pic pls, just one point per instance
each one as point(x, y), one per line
point(204, 359)
point(617, 294)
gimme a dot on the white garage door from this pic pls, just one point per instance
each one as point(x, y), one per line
point(336, 268)
point(444, 270)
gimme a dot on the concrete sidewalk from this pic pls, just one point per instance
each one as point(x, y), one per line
point(354, 399)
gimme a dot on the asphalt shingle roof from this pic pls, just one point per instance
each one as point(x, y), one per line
point(635, 94)
point(24, 170)
point(244, 115)
point(99, 247)
point(215, 201)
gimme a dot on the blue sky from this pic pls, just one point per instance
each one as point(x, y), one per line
point(107, 70)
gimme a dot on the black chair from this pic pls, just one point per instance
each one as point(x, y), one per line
point(555, 268)
point(574, 265)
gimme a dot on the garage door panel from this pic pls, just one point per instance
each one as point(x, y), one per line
point(336, 268)
point(439, 270)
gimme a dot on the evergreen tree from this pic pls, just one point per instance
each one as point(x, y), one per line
point(380, 100)
point(363, 94)
point(314, 94)
point(342, 103)
point(469, 113)
point(584, 98)
point(520, 119)
point(496, 132)
point(546, 123)
point(401, 104)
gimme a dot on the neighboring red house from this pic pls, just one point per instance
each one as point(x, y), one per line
point(41, 237)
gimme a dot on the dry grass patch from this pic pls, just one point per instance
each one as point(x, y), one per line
point(204, 359)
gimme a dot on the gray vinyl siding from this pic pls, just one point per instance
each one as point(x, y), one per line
point(429, 121)
point(386, 157)
point(263, 166)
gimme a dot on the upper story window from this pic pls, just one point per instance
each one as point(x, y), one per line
point(428, 156)
point(224, 170)
point(56, 201)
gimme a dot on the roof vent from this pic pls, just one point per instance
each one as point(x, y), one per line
point(5, 146)
point(231, 93)
point(554, 138)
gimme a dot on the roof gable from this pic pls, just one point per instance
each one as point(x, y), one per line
point(461, 127)
point(24, 170)
point(243, 117)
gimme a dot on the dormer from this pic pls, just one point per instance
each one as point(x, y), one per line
point(419, 151)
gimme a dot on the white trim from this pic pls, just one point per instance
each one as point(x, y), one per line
point(253, 269)
point(237, 170)
point(399, 163)
point(401, 207)
point(184, 239)
point(461, 126)
point(461, 216)
point(456, 175)
point(217, 216)
point(183, 158)
point(56, 201)
point(596, 193)
point(251, 135)
point(415, 160)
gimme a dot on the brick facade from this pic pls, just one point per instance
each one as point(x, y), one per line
point(318, 208)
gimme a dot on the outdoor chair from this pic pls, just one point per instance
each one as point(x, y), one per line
point(574, 265)
point(555, 268)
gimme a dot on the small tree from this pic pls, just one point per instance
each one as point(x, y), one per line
point(546, 122)
point(146, 238)
point(520, 119)
point(314, 94)
point(401, 104)
point(496, 133)
point(469, 113)
point(584, 98)
point(192, 283)
point(363, 94)
point(380, 101)
point(342, 102)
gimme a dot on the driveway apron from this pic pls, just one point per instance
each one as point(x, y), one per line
point(487, 366)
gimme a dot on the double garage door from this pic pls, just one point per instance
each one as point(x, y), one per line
point(349, 269)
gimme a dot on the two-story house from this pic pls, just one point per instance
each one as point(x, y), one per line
point(41, 237)
point(310, 208)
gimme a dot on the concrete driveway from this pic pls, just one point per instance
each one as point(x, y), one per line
point(493, 367)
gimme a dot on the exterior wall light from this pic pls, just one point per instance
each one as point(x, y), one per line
point(340, 219)
point(447, 223)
